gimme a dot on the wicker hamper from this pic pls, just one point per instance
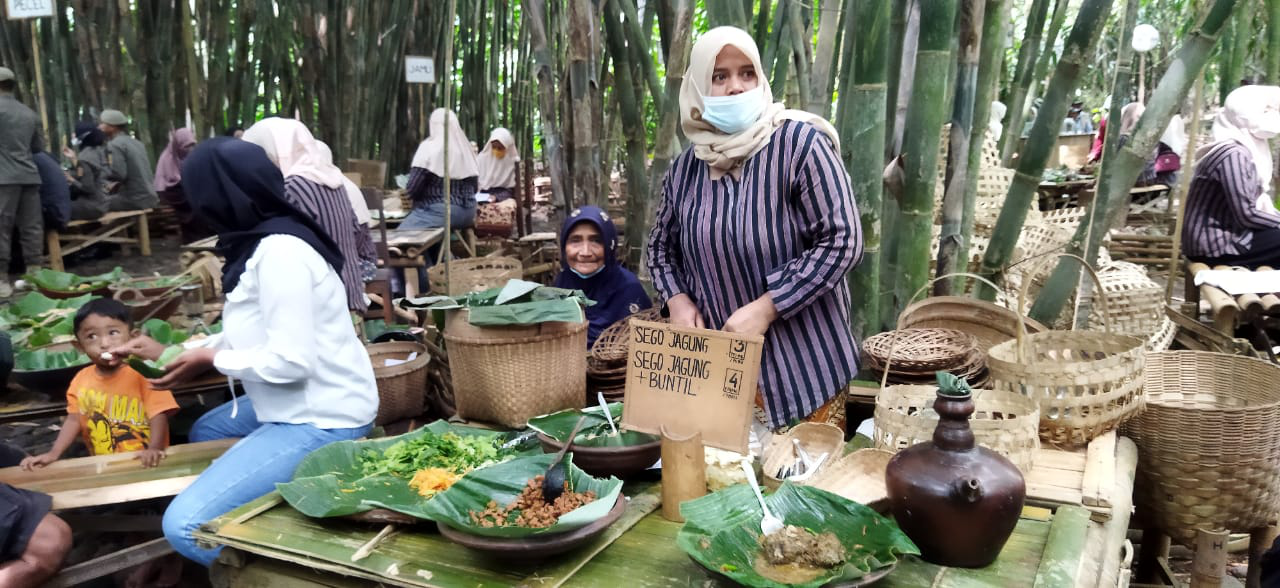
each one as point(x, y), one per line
point(1003, 422)
point(507, 376)
point(1208, 443)
point(474, 274)
point(401, 388)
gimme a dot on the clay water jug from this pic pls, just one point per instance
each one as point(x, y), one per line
point(959, 502)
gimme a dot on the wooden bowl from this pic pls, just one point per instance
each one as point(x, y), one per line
point(151, 292)
point(602, 462)
point(105, 290)
point(143, 306)
point(537, 547)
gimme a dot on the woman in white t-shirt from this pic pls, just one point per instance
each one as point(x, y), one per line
point(286, 336)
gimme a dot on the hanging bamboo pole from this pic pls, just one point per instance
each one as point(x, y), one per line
point(35, 56)
point(920, 142)
point(1077, 54)
point(1022, 79)
point(954, 232)
point(861, 120)
point(1128, 161)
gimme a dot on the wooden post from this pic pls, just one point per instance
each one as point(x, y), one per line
point(1155, 545)
point(1260, 541)
point(35, 55)
point(684, 472)
point(1142, 78)
point(1210, 562)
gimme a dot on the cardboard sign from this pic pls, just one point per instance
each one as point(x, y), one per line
point(692, 380)
point(29, 8)
point(419, 70)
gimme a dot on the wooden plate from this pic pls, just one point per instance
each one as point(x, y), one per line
point(537, 547)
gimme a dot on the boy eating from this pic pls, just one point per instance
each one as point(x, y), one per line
point(109, 404)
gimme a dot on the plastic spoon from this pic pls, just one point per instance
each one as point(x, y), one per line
point(607, 415)
point(769, 524)
point(557, 473)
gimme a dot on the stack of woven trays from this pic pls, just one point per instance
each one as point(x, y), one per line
point(918, 353)
point(607, 363)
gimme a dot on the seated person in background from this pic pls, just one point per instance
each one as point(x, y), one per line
point(33, 542)
point(497, 164)
point(110, 405)
point(588, 260)
point(55, 195)
point(88, 176)
point(129, 170)
point(1078, 121)
point(1230, 218)
point(426, 177)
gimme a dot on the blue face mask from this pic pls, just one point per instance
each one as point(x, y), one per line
point(733, 114)
point(585, 276)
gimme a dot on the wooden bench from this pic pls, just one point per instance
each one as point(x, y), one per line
point(113, 227)
point(1228, 312)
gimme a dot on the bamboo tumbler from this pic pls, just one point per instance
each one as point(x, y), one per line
point(684, 472)
point(1210, 562)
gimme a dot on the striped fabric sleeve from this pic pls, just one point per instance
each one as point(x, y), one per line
point(825, 206)
point(1239, 180)
point(417, 183)
point(664, 253)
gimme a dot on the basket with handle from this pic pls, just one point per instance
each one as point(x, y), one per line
point(474, 274)
point(1208, 442)
point(1086, 383)
point(402, 388)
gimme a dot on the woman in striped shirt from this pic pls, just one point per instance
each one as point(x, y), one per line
point(316, 187)
point(1230, 217)
point(430, 166)
point(757, 228)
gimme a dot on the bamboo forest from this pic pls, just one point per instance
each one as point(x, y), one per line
point(902, 293)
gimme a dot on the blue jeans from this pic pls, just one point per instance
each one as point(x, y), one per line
point(431, 216)
point(268, 453)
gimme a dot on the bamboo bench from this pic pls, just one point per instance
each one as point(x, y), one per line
point(1228, 312)
point(113, 227)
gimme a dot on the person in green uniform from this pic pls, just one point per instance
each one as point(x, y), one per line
point(130, 182)
point(19, 180)
point(88, 172)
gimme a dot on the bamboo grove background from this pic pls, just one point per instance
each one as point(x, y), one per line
point(591, 86)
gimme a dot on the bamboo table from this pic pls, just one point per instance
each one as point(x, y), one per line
point(269, 543)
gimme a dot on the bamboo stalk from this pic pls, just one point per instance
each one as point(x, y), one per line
point(1077, 53)
point(1022, 78)
point(1127, 162)
point(1273, 41)
point(920, 142)
point(535, 12)
point(860, 118)
point(897, 36)
point(824, 59)
point(1046, 55)
point(627, 92)
point(583, 92)
point(960, 143)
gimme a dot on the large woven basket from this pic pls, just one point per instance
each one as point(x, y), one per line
point(474, 274)
point(508, 380)
point(990, 324)
point(1087, 383)
point(1003, 422)
point(402, 388)
point(1208, 443)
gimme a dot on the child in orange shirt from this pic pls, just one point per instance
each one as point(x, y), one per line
point(109, 404)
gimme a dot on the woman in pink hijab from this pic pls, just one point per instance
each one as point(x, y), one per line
point(168, 183)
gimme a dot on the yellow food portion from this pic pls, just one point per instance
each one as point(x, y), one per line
point(431, 480)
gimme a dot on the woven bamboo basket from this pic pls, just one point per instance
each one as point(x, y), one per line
point(1004, 422)
point(815, 438)
point(989, 323)
point(1087, 383)
point(474, 274)
point(614, 342)
point(402, 388)
point(510, 380)
point(1136, 301)
point(1208, 443)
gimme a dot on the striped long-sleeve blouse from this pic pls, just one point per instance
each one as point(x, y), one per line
point(426, 188)
point(788, 227)
point(1222, 212)
point(331, 209)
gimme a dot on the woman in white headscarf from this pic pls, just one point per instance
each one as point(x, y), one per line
point(315, 186)
point(430, 166)
point(497, 165)
point(996, 126)
point(1230, 218)
point(757, 228)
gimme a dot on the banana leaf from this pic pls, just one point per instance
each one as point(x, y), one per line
point(503, 482)
point(154, 369)
point(37, 360)
point(722, 530)
point(330, 482)
point(595, 430)
point(163, 332)
point(68, 282)
point(517, 303)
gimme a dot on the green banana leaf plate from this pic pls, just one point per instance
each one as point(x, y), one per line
point(721, 532)
point(595, 430)
point(330, 482)
point(501, 483)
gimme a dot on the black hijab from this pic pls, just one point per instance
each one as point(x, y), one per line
point(89, 134)
point(239, 193)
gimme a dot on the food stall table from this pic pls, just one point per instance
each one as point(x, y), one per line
point(270, 543)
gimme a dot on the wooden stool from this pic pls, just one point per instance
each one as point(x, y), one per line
point(113, 227)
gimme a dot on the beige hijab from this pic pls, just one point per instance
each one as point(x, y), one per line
point(430, 154)
point(1250, 115)
point(723, 152)
point(292, 147)
point(494, 172)
point(1129, 117)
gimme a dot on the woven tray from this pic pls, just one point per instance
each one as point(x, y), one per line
point(1208, 443)
point(989, 323)
point(474, 274)
point(921, 350)
point(1004, 422)
point(613, 343)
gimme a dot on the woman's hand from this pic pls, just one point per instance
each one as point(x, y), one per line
point(684, 313)
point(754, 318)
point(184, 367)
point(143, 346)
